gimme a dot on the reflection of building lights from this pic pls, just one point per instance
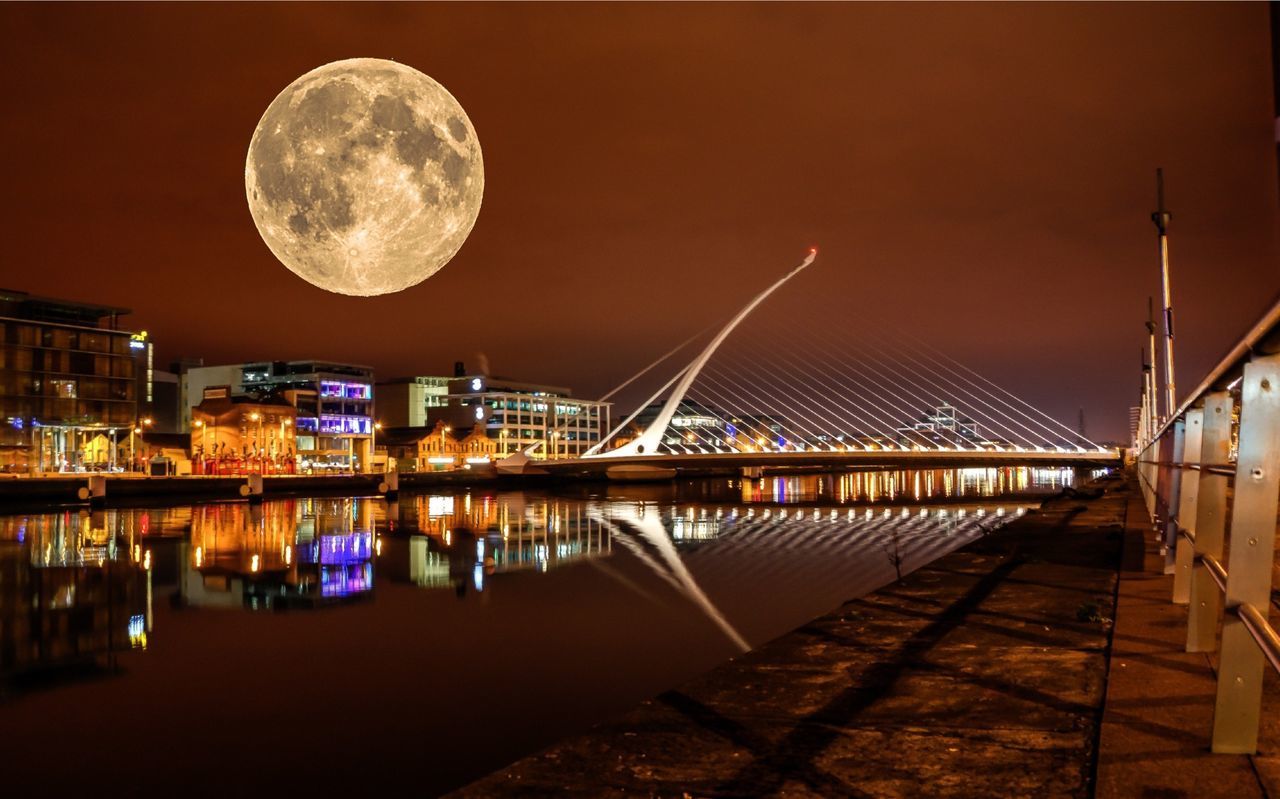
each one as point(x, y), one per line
point(254, 563)
point(377, 545)
point(138, 631)
point(288, 554)
point(146, 559)
point(199, 556)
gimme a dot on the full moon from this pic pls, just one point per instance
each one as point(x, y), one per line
point(364, 176)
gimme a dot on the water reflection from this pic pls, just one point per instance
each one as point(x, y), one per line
point(82, 583)
point(75, 589)
point(907, 484)
point(293, 553)
point(509, 619)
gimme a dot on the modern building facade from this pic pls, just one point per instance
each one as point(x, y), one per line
point(406, 401)
point(71, 384)
point(333, 402)
point(545, 421)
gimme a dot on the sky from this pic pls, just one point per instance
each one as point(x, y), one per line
point(980, 175)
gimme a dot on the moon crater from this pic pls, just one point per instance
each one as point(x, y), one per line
point(364, 176)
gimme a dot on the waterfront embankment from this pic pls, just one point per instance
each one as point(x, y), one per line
point(982, 674)
point(19, 493)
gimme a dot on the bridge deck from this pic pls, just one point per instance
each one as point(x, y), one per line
point(698, 463)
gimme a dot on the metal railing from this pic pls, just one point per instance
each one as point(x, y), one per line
point(1192, 481)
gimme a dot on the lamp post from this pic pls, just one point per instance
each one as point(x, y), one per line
point(204, 441)
point(137, 431)
point(373, 443)
point(257, 417)
point(503, 435)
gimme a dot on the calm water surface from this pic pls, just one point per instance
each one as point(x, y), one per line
point(339, 644)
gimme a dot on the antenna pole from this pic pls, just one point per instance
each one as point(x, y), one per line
point(1149, 370)
point(1161, 219)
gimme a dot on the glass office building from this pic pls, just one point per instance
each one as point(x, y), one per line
point(70, 385)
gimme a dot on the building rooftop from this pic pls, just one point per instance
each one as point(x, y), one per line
point(21, 305)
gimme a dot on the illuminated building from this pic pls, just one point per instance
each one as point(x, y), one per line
point(699, 426)
point(945, 426)
point(334, 404)
point(241, 434)
point(544, 420)
point(438, 448)
point(71, 384)
point(405, 401)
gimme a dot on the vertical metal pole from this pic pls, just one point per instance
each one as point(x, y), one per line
point(1161, 217)
point(1188, 491)
point(1172, 480)
point(1205, 596)
point(1152, 456)
point(1253, 528)
point(1149, 372)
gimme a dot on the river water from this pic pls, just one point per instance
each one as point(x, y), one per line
point(339, 644)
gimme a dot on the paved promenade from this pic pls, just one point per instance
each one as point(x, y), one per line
point(980, 675)
point(1159, 706)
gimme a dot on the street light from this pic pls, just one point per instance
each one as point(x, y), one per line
point(137, 431)
point(285, 421)
point(257, 417)
point(373, 444)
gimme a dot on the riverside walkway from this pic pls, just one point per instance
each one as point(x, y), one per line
point(982, 674)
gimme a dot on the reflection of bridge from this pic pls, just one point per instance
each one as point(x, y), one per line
point(734, 462)
point(841, 398)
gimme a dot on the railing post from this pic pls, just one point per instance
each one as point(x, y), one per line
point(1171, 482)
point(1205, 596)
point(1253, 528)
point(1188, 491)
point(1152, 456)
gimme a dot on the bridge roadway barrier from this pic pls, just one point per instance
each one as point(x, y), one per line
point(1216, 459)
point(981, 674)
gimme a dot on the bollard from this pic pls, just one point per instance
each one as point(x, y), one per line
point(94, 491)
point(390, 485)
point(252, 487)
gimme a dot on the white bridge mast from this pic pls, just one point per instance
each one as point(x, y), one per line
point(647, 443)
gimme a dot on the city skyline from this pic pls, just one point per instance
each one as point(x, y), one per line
point(644, 180)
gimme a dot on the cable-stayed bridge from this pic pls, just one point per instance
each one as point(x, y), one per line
point(783, 396)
